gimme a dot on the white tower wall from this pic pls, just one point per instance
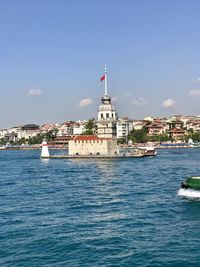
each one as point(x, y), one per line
point(107, 116)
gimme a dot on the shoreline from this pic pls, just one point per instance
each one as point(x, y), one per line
point(138, 145)
point(93, 156)
point(31, 148)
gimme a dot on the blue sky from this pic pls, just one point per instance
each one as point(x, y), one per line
point(52, 55)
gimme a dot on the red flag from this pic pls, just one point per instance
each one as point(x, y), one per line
point(102, 78)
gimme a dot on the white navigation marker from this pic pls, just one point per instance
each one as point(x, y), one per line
point(45, 150)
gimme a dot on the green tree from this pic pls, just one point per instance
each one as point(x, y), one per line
point(138, 136)
point(195, 136)
point(3, 142)
point(36, 139)
point(22, 141)
point(122, 141)
point(160, 138)
point(89, 127)
point(51, 135)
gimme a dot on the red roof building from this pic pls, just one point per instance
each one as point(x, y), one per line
point(176, 133)
point(92, 145)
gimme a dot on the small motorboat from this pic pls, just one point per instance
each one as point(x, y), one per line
point(191, 183)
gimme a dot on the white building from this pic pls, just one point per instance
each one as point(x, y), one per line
point(78, 128)
point(3, 132)
point(123, 128)
point(105, 143)
point(138, 124)
point(27, 131)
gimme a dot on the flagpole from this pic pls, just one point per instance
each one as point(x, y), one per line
point(106, 85)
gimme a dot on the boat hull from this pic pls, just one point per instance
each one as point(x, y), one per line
point(192, 183)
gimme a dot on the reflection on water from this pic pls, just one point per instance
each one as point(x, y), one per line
point(109, 217)
point(45, 161)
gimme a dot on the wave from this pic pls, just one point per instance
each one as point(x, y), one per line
point(189, 193)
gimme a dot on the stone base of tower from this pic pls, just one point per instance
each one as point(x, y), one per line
point(92, 145)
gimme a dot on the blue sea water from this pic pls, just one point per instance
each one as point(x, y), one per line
point(62, 212)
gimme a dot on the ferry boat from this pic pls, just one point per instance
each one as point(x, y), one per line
point(144, 151)
point(191, 183)
point(149, 151)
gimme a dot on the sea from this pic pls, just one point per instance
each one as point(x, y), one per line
point(119, 212)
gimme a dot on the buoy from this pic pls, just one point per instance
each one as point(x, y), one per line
point(45, 150)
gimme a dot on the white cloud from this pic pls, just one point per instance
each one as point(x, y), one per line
point(140, 101)
point(85, 102)
point(196, 80)
point(195, 93)
point(115, 98)
point(123, 96)
point(34, 92)
point(168, 103)
point(127, 94)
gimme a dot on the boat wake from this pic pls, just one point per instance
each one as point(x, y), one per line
point(189, 193)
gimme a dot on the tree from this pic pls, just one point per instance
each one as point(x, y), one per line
point(36, 139)
point(160, 138)
point(122, 141)
point(3, 142)
point(89, 127)
point(50, 135)
point(138, 136)
point(195, 136)
point(22, 141)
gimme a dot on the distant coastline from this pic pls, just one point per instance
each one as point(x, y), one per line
point(166, 145)
point(35, 147)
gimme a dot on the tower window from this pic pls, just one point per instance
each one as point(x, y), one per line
point(101, 115)
point(107, 115)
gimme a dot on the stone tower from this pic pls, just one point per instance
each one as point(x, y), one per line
point(107, 116)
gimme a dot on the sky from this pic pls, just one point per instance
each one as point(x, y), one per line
point(53, 52)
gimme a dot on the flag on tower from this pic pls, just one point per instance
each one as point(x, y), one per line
point(102, 78)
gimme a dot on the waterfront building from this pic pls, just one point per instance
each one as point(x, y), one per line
point(28, 131)
point(138, 124)
point(10, 137)
point(175, 123)
point(156, 128)
point(47, 127)
point(123, 128)
point(78, 128)
point(193, 124)
point(92, 145)
point(176, 133)
point(62, 140)
point(105, 143)
point(3, 132)
point(16, 133)
point(67, 128)
point(30, 127)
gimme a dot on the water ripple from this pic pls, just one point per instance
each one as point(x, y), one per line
point(98, 213)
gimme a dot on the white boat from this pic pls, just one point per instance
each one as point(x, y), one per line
point(145, 151)
point(149, 151)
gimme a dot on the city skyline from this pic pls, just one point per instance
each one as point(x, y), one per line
point(53, 56)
